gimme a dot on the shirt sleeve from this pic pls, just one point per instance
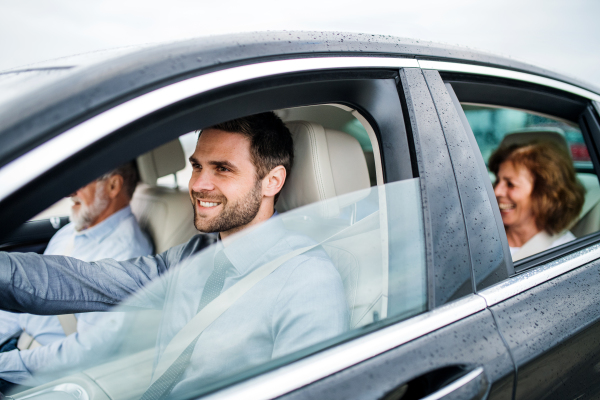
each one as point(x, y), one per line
point(51, 285)
point(9, 326)
point(311, 307)
point(82, 350)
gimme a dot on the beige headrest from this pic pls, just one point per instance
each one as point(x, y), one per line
point(164, 160)
point(522, 136)
point(327, 164)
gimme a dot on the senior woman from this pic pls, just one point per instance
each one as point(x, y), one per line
point(538, 195)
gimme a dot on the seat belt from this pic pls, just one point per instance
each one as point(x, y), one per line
point(27, 342)
point(68, 323)
point(219, 305)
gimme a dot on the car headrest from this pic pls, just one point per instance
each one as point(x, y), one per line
point(522, 136)
point(164, 160)
point(327, 164)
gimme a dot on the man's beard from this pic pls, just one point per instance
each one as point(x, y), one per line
point(87, 214)
point(233, 215)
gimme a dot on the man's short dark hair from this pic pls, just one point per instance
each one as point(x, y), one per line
point(130, 175)
point(271, 142)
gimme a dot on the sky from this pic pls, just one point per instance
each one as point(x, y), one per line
point(560, 35)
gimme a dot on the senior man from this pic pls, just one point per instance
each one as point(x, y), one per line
point(239, 168)
point(102, 226)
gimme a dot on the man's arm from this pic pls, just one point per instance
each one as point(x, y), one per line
point(9, 326)
point(77, 351)
point(50, 285)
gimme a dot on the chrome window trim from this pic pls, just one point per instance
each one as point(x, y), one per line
point(313, 368)
point(509, 74)
point(29, 166)
point(538, 275)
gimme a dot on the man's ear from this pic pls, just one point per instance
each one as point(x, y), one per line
point(114, 184)
point(273, 182)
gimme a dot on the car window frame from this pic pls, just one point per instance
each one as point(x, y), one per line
point(474, 86)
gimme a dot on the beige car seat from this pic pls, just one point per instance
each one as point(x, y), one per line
point(166, 214)
point(330, 163)
point(589, 217)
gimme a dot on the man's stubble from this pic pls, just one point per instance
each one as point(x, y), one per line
point(233, 215)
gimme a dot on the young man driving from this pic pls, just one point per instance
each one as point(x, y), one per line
point(239, 169)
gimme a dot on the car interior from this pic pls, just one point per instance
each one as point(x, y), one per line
point(546, 129)
point(336, 154)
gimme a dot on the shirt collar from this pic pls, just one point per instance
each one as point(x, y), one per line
point(100, 231)
point(245, 251)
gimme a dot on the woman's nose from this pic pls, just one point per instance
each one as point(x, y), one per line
point(500, 189)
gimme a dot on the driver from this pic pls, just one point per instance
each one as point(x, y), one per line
point(239, 169)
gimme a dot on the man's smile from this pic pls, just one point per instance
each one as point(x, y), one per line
point(207, 204)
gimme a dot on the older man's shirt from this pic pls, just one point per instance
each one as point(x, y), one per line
point(118, 237)
point(300, 304)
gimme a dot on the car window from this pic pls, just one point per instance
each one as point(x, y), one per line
point(551, 184)
point(333, 275)
point(338, 283)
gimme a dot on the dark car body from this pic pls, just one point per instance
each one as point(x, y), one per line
point(492, 329)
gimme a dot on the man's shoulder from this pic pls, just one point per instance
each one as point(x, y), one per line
point(195, 245)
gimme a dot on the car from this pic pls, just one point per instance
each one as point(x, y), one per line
point(392, 137)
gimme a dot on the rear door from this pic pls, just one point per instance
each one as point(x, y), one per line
point(548, 309)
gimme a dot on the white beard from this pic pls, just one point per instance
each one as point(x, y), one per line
point(87, 214)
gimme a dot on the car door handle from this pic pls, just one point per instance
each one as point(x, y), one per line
point(472, 386)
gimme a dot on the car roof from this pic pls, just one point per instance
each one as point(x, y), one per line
point(39, 100)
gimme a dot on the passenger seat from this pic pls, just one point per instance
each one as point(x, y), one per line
point(330, 163)
point(166, 214)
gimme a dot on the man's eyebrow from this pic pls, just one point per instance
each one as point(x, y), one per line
point(222, 164)
point(193, 159)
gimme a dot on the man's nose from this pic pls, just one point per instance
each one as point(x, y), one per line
point(202, 181)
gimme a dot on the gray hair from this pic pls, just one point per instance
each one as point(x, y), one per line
point(130, 175)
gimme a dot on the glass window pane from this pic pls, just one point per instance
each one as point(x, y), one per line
point(328, 278)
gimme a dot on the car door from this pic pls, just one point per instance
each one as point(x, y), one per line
point(453, 350)
point(547, 311)
point(428, 333)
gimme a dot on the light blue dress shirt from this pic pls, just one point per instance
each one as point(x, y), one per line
point(300, 304)
point(118, 237)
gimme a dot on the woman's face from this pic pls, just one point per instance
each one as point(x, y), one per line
point(513, 189)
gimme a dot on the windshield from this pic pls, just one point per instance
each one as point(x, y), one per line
point(302, 282)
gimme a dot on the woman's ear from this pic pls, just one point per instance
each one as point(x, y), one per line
point(273, 182)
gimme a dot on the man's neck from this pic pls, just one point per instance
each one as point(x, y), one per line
point(264, 213)
point(112, 208)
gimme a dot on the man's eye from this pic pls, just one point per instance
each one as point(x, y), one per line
point(223, 169)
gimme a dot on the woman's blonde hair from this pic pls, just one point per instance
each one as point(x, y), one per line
point(557, 196)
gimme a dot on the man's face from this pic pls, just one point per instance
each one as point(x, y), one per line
point(88, 203)
point(224, 189)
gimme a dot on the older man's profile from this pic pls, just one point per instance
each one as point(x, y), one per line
point(239, 169)
point(102, 226)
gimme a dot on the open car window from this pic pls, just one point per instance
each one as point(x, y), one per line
point(497, 127)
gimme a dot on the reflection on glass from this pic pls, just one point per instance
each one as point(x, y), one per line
point(300, 282)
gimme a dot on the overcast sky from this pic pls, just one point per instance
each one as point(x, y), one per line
point(557, 34)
